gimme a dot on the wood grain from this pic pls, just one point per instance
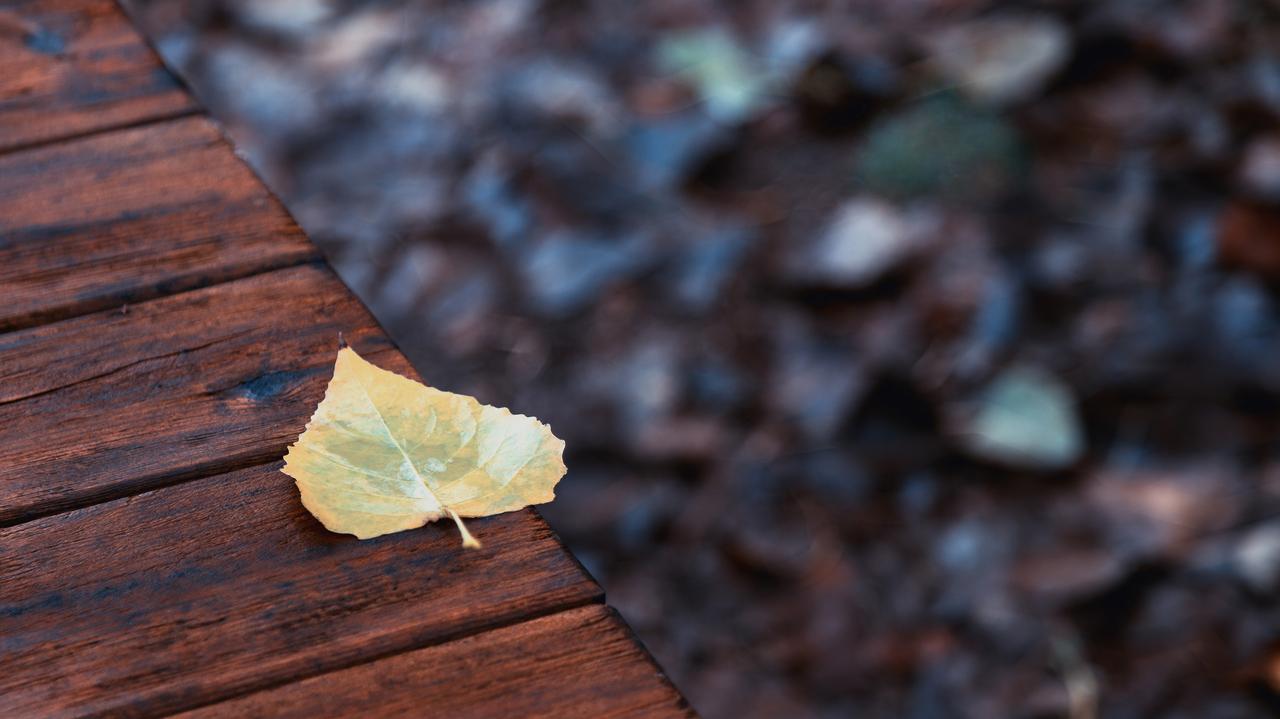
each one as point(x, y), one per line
point(130, 215)
point(115, 403)
point(579, 663)
point(75, 66)
point(198, 592)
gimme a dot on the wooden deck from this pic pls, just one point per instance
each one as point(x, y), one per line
point(165, 332)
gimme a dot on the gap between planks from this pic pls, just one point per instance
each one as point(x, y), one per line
point(603, 670)
point(214, 466)
point(103, 130)
point(170, 287)
point(594, 600)
point(75, 312)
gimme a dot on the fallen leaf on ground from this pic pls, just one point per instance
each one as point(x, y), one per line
point(383, 454)
point(1026, 418)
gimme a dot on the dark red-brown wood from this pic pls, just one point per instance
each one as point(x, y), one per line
point(70, 67)
point(118, 402)
point(193, 593)
point(130, 215)
point(579, 663)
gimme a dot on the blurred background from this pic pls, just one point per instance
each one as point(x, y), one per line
point(915, 359)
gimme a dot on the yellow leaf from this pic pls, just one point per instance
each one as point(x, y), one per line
point(383, 454)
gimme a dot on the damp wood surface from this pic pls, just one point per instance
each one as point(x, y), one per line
point(203, 590)
point(75, 66)
point(116, 402)
point(126, 216)
point(579, 663)
point(166, 332)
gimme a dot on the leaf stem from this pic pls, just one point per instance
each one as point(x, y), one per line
point(468, 541)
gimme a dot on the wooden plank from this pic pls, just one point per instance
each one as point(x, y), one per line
point(76, 66)
point(580, 663)
point(130, 215)
point(115, 403)
point(199, 592)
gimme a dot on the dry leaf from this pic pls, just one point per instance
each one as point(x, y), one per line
point(383, 454)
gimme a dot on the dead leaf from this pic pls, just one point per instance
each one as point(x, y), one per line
point(383, 454)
